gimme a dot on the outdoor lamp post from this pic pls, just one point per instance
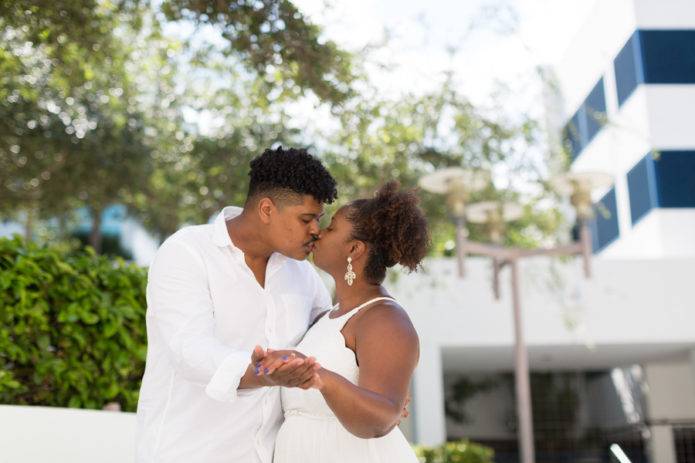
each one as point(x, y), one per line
point(457, 184)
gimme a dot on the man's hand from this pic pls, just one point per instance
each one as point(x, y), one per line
point(285, 368)
point(404, 413)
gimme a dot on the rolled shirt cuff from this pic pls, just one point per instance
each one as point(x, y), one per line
point(225, 382)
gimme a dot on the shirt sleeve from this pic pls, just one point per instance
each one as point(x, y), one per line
point(180, 311)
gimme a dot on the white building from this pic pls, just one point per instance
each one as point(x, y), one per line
point(620, 346)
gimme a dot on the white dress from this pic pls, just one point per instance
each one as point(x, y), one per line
point(311, 432)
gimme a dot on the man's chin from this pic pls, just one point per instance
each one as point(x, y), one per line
point(299, 255)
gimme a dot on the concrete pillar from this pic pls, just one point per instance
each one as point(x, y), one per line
point(661, 448)
point(661, 408)
point(428, 398)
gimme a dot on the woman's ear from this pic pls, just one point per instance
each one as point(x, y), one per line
point(358, 249)
point(265, 208)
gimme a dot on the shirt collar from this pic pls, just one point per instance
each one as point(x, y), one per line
point(220, 235)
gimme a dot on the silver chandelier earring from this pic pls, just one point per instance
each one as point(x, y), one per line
point(350, 275)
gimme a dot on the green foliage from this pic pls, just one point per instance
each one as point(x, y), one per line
point(159, 106)
point(462, 451)
point(93, 94)
point(273, 36)
point(67, 107)
point(382, 138)
point(72, 329)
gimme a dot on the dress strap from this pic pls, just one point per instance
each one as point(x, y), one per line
point(347, 316)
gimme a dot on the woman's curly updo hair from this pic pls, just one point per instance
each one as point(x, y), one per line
point(395, 229)
point(283, 173)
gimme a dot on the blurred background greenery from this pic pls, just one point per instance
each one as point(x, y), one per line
point(159, 106)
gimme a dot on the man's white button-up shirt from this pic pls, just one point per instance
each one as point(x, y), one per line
point(205, 313)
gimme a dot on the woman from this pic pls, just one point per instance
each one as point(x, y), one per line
point(366, 345)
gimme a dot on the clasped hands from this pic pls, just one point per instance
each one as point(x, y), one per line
point(290, 368)
point(287, 368)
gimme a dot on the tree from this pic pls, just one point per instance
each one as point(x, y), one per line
point(382, 139)
point(273, 36)
point(81, 127)
point(65, 107)
point(98, 105)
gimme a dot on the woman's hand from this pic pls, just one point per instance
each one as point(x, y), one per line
point(287, 368)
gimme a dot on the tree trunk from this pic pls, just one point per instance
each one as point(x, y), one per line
point(29, 224)
point(95, 232)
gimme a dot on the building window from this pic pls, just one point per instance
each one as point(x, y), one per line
point(572, 137)
point(675, 171)
point(586, 122)
point(641, 184)
point(662, 179)
point(604, 227)
point(655, 57)
point(669, 56)
point(628, 68)
point(595, 108)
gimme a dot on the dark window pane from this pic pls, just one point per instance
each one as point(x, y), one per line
point(595, 107)
point(669, 56)
point(605, 226)
point(642, 188)
point(572, 137)
point(675, 174)
point(627, 65)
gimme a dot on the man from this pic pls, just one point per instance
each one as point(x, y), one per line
point(215, 292)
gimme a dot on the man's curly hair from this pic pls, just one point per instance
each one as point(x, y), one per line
point(395, 229)
point(282, 173)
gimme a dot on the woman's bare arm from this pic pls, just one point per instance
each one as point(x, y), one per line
point(387, 348)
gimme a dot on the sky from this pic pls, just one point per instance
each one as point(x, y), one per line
point(497, 41)
point(499, 45)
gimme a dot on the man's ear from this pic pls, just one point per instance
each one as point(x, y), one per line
point(265, 209)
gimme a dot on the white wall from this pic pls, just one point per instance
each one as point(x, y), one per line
point(629, 312)
point(65, 435)
point(665, 14)
point(625, 301)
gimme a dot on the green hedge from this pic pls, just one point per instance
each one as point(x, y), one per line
point(462, 451)
point(72, 327)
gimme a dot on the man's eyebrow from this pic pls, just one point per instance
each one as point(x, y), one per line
point(313, 215)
